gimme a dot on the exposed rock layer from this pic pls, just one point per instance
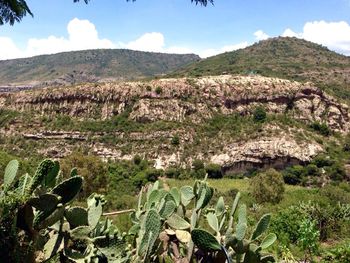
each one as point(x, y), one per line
point(188, 100)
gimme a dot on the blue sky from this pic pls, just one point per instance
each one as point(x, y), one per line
point(174, 26)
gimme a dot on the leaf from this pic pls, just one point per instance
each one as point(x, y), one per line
point(204, 197)
point(50, 178)
point(242, 214)
point(268, 240)
point(204, 240)
point(220, 206)
point(235, 203)
point(183, 236)
point(76, 216)
point(52, 246)
point(167, 209)
point(186, 194)
point(81, 232)
point(94, 211)
point(240, 231)
point(261, 227)
point(176, 195)
point(213, 221)
point(10, 173)
point(177, 222)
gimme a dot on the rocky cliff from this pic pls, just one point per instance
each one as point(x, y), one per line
point(183, 108)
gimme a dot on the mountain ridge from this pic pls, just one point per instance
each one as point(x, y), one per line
point(67, 68)
point(283, 57)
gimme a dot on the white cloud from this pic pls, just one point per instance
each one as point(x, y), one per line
point(261, 35)
point(8, 49)
point(82, 34)
point(153, 42)
point(334, 35)
point(289, 33)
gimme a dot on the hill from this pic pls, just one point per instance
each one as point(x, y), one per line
point(89, 66)
point(283, 57)
point(173, 121)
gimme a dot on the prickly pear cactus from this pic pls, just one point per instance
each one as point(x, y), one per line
point(42, 171)
point(68, 189)
point(204, 240)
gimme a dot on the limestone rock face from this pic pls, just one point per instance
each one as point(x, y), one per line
point(189, 101)
point(181, 99)
point(276, 151)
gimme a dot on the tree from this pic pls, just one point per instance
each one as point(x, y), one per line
point(267, 187)
point(12, 11)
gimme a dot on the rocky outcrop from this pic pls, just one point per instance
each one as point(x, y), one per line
point(277, 152)
point(181, 99)
point(184, 103)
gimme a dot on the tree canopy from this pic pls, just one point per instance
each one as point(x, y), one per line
point(12, 11)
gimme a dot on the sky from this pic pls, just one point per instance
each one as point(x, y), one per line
point(173, 26)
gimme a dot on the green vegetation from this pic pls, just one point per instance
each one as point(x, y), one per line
point(42, 204)
point(282, 57)
point(259, 114)
point(267, 187)
point(71, 67)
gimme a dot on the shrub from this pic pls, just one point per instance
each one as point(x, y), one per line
point(286, 225)
point(172, 172)
point(197, 164)
point(214, 171)
point(92, 168)
point(308, 238)
point(159, 90)
point(137, 159)
point(267, 187)
point(175, 140)
point(293, 174)
point(259, 114)
point(139, 179)
point(321, 128)
point(152, 174)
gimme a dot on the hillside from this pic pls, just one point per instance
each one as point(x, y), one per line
point(89, 66)
point(173, 121)
point(283, 57)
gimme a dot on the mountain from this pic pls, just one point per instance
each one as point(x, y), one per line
point(283, 57)
point(89, 66)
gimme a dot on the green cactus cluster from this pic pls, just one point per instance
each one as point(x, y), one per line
point(167, 223)
point(43, 210)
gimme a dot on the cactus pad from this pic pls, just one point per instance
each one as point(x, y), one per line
point(68, 189)
point(76, 216)
point(204, 240)
point(42, 171)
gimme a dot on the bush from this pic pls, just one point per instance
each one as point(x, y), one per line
point(259, 114)
point(159, 90)
point(267, 187)
point(197, 164)
point(172, 172)
point(91, 168)
point(286, 225)
point(321, 128)
point(137, 159)
point(293, 174)
point(214, 171)
point(175, 140)
point(152, 174)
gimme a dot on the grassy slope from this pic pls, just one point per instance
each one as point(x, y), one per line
point(108, 63)
point(289, 58)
